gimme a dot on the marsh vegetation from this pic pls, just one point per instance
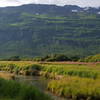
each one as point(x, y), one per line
point(67, 80)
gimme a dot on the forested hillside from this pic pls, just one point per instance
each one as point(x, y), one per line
point(36, 30)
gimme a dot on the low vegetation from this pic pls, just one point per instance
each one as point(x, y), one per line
point(89, 71)
point(76, 88)
point(11, 90)
point(7, 76)
point(72, 81)
point(46, 69)
point(94, 58)
point(23, 68)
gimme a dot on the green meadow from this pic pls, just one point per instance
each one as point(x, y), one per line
point(71, 81)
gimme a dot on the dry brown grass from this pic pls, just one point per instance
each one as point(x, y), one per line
point(6, 75)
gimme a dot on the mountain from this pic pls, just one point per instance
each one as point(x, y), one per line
point(36, 30)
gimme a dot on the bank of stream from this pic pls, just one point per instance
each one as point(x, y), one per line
point(37, 81)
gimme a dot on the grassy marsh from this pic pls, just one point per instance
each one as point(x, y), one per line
point(12, 90)
point(77, 81)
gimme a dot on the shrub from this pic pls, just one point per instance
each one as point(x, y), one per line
point(17, 91)
point(95, 58)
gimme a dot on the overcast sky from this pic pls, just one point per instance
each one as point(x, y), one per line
point(83, 3)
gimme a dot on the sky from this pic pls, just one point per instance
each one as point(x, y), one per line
point(82, 3)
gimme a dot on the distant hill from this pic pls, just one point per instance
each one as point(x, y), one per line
point(37, 30)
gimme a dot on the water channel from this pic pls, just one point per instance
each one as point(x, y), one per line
point(37, 81)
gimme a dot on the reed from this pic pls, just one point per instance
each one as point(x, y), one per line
point(12, 90)
point(76, 88)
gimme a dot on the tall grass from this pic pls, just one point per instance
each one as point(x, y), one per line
point(20, 68)
point(30, 68)
point(76, 88)
point(11, 90)
point(81, 82)
point(73, 70)
point(6, 76)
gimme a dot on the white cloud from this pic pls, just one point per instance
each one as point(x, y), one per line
point(82, 3)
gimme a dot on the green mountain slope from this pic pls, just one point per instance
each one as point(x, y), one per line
point(93, 58)
point(35, 30)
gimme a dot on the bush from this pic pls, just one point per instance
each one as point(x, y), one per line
point(14, 58)
point(94, 58)
point(13, 90)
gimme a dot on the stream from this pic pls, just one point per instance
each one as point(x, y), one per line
point(37, 81)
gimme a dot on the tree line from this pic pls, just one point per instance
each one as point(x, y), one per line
point(56, 57)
